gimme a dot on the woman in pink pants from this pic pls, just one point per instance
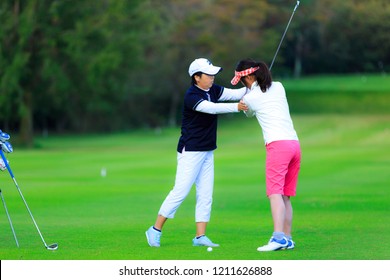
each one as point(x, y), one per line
point(267, 101)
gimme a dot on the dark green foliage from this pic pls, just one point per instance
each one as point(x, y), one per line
point(101, 66)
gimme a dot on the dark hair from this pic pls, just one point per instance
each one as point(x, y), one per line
point(263, 75)
point(193, 81)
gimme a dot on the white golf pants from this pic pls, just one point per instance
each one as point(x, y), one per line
point(192, 167)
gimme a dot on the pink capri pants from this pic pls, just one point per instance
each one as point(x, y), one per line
point(283, 162)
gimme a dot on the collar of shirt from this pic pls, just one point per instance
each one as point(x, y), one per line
point(202, 89)
point(255, 84)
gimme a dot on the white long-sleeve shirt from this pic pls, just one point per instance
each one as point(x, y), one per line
point(228, 94)
point(272, 112)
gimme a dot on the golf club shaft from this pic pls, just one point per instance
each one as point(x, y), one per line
point(21, 195)
point(9, 218)
point(284, 34)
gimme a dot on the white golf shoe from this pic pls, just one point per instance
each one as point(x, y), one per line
point(203, 241)
point(274, 245)
point(153, 236)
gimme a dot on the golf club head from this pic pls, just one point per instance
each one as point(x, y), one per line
point(4, 136)
point(52, 247)
point(7, 147)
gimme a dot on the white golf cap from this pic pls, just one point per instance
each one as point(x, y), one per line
point(203, 65)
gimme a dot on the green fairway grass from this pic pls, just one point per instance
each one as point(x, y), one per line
point(357, 94)
point(341, 211)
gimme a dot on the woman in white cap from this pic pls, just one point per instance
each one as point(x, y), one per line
point(267, 101)
point(195, 150)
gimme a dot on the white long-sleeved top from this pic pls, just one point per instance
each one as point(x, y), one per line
point(272, 112)
point(228, 94)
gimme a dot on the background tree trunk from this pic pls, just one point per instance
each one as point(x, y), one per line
point(26, 120)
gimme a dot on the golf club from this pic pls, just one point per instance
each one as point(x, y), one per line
point(9, 218)
point(285, 31)
point(49, 247)
point(4, 136)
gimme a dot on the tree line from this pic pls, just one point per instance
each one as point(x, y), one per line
point(114, 65)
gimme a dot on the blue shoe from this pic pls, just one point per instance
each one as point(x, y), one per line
point(203, 241)
point(274, 245)
point(153, 236)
